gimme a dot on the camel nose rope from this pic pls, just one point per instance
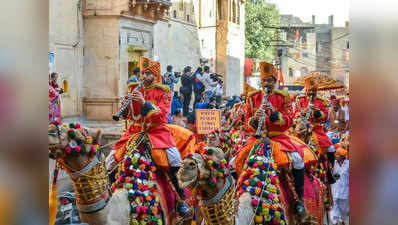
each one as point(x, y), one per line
point(82, 172)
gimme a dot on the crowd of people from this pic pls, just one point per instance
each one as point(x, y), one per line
point(202, 86)
point(288, 123)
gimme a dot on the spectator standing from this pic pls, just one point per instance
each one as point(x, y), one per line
point(209, 83)
point(219, 92)
point(135, 76)
point(187, 81)
point(54, 92)
point(170, 78)
point(340, 189)
point(198, 86)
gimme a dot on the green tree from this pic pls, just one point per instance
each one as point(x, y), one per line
point(260, 14)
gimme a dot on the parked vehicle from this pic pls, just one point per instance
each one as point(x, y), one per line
point(67, 210)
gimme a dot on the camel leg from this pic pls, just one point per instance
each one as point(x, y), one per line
point(245, 210)
point(116, 212)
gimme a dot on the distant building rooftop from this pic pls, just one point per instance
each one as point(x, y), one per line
point(293, 21)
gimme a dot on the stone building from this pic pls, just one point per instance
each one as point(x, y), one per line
point(323, 42)
point(97, 45)
point(340, 53)
point(298, 48)
point(66, 43)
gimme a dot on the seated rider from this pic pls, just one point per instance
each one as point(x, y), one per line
point(278, 120)
point(318, 114)
point(148, 112)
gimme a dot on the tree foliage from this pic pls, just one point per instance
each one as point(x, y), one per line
point(260, 14)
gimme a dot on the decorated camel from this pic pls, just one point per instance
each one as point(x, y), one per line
point(263, 194)
point(140, 195)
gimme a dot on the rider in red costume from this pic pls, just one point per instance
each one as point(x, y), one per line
point(318, 114)
point(278, 121)
point(148, 112)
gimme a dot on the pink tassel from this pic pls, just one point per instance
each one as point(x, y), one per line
point(214, 180)
point(78, 148)
point(68, 150)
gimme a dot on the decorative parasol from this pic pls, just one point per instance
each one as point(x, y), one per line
point(324, 81)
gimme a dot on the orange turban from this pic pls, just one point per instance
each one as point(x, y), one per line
point(267, 70)
point(146, 64)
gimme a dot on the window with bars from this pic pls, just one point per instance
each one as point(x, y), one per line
point(290, 72)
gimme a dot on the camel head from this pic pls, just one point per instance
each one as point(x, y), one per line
point(301, 129)
point(73, 145)
point(203, 170)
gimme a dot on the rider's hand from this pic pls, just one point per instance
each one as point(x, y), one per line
point(110, 160)
point(137, 96)
point(260, 113)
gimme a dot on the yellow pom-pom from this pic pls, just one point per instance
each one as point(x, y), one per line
point(89, 140)
point(257, 190)
point(258, 219)
point(134, 160)
point(210, 162)
point(134, 222)
point(193, 222)
point(220, 174)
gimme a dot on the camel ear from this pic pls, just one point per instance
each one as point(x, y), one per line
point(98, 136)
point(95, 134)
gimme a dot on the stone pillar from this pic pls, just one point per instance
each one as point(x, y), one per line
point(221, 38)
point(101, 72)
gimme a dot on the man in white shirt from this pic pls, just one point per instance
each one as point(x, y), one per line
point(340, 189)
point(219, 93)
point(209, 83)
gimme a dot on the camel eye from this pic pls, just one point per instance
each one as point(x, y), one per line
point(191, 164)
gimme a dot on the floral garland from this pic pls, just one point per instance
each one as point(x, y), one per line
point(260, 180)
point(136, 175)
point(77, 146)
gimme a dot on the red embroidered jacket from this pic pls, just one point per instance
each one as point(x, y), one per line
point(281, 103)
point(322, 106)
point(151, 117)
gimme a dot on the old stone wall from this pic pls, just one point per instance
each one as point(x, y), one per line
point(340, 53)
point(66, 42)
point(176, 43)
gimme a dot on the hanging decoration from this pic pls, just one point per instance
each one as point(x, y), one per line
point(137, 175)
point(261, 181)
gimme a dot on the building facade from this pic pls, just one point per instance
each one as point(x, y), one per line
point(97, 45)
point(66, 44)
point(340, 53)
point(298, 48)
